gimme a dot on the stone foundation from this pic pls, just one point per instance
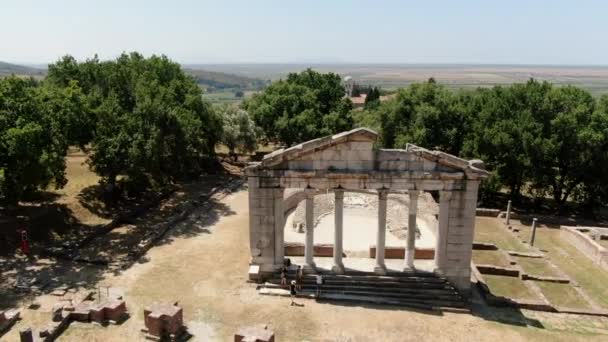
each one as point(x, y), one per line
point(162, 320)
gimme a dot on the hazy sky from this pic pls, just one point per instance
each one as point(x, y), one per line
point(310, 31)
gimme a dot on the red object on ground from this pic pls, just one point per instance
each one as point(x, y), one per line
point(25, 243)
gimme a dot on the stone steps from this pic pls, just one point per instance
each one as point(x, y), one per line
point(367, 291)
point(412, 290)
point(373, 284)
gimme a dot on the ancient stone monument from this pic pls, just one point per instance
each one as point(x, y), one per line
point(348, 162)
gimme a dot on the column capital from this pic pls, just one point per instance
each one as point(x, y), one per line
point(339, 193)
point(310, 192)
point(445, 195)
point(413, 194)
point(382, 194)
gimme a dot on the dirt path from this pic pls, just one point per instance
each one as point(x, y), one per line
point(203, 265)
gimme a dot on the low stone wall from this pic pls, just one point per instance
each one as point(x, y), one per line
point(586, 245)
point(297, 249)
point(484, 246)
point(496, 270)
point(399, 253)
point(487, 212)
point(558, 280)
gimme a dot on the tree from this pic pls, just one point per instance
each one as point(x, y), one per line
point(239, 130)
point(33, 143)
point(356, 92)
point(568, 140)
point(239, 93)
point(305, 106)
point(373, 98)
point(150, 121)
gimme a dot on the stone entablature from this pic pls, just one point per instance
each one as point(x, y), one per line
point(348, 162)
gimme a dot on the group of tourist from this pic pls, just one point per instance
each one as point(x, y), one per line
point(296, 285)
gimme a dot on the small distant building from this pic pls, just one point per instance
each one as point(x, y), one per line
point(358, 102)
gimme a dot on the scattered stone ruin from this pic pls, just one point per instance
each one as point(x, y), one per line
point(87, 309)
point(164, 321)
point(7, 319)
point(348, 162)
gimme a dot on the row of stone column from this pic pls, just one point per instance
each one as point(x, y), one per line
point(410, 249)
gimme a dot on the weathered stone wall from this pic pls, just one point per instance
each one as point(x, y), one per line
point(461, 227)
point(586, 245)
point(265, 210)
point(351, 155)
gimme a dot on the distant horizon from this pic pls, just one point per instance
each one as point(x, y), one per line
point(43, 65)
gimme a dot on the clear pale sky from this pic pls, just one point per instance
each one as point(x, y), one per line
point(310, 31)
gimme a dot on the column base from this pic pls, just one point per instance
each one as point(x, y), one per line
point(310, 268)
point(409, 268)
point(380, 269)
point(338, 269)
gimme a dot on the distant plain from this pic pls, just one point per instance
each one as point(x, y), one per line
point(392, 76)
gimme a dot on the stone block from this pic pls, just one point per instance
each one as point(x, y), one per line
point(259, 333)
point(163, 319)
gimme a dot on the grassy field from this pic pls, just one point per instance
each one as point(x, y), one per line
point(536, 266)
point(577, 266)
point(490, 258)
point(490, 230)
point(510, 287)
point(562, 295)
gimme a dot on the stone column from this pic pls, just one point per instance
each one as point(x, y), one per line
point(338, 220)
point(442, 230)
point(381, 236)
point(309, 247)
point(410, 248)
point(279, 227)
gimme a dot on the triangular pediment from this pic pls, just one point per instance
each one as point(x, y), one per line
point(353, 151)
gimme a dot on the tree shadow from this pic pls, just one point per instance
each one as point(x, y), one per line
point(47, 224)
point(504, 315)
point(26, 278)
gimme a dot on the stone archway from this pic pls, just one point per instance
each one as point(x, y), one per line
point(347, 161)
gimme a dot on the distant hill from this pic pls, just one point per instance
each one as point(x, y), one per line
point(209, 79)
point(221, 80)
point(7, 69)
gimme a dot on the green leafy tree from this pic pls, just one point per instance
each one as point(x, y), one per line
point(305, 106)
point(150, 122)
point(373, 98)
point(33, 142)
point(239, 130)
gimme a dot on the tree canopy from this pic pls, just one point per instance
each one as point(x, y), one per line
point(33, 136)
point(305, 106)
point(239, 131)
point(149, 122)
point(546, 140)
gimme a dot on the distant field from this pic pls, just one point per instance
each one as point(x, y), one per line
point(226, 96)
point(592, 78)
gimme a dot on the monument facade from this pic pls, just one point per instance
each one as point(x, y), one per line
point(348, 161)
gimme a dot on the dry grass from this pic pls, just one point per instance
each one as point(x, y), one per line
point(510, 287)
point(577, 266)
point(79, 177)
point(490, 258)
point(562, 295)
point(537, 266)
point(491, 230)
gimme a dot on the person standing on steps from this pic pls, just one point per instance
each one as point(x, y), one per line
point(283, 276)
point(319, 284)
point(292, 291)
point(299, 278)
